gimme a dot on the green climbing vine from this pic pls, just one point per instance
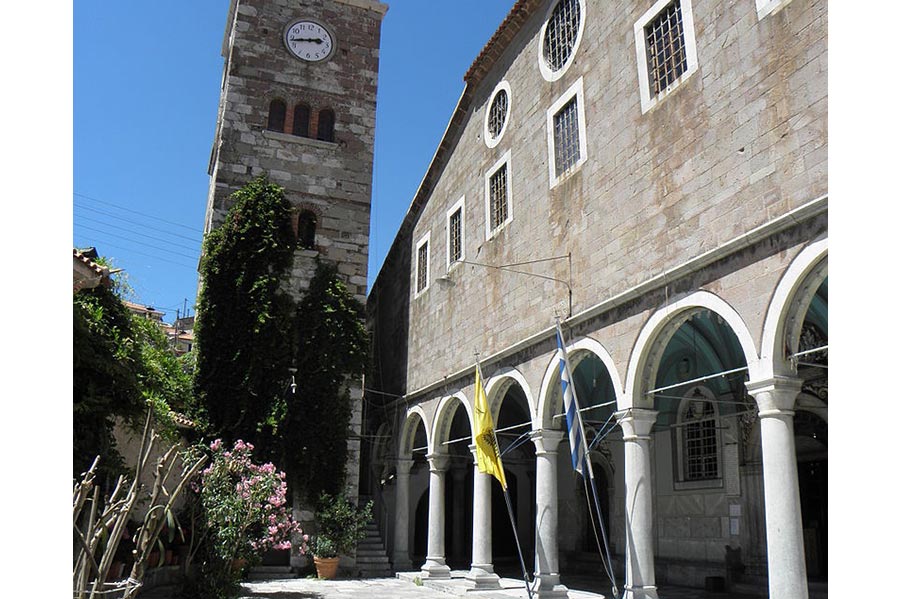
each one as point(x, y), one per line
point(251, 336)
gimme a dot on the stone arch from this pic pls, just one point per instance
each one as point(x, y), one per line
point(444, 416)
point(577, 351)
point(660, 327)
point(497, 385)
point(786, 312)
point(412, 420)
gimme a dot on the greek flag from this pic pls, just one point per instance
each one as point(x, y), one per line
point(571, 409)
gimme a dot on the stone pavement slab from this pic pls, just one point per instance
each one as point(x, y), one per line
point(396, 588)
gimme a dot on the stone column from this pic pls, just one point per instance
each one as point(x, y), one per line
point(482, 572)
point(786, 573)
point(640, 560)
point(547, 566)
point(435, 566)
point(401, 554)
point(458, 512)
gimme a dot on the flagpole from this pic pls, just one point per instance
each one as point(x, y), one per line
point(483, 413)
point(510, 513)
point(587, 462)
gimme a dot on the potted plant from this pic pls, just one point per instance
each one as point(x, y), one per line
point(341, 526)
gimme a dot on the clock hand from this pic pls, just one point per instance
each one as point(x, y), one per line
point(306, 39)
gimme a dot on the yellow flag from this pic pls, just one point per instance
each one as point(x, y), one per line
point(488, 457)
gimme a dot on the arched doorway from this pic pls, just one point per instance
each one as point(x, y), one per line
point(699, 393)
point(810, 426)
point(519, 459)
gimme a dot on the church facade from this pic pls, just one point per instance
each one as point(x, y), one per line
point(654, 176)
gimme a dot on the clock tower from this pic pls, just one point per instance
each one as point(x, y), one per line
point(298, 105)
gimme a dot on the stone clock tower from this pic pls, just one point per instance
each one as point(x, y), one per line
point(298, 104)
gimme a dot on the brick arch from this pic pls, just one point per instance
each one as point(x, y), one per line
point(444, 416)
point(414, 417)
point(787, 308)
point(497, 385)
point(660, 327)
point(577, 350)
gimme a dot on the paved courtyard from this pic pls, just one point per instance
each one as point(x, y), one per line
point(394, 588)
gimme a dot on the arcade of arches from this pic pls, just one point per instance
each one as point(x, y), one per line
point(707, 441)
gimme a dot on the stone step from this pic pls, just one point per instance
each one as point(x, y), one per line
point(271, 573)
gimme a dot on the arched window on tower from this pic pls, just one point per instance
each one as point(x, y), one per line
point(276, 121)
point(307, 229)
point(325, 129)
point(301, 125)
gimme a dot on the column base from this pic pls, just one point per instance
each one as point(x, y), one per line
point(435, 568)
point(549, 587)
point(483, 577)
point(640, 592)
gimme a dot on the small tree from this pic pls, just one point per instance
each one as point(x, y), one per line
point(243, 513)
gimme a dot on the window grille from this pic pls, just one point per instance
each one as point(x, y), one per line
point(498, 113)
point(498, 197)
point(276, 121)
point(560, 33)
point(700, 441)
point(666, 47)
point(455, 224)
point(301, 124)
point(422, 264)
point(566, 137)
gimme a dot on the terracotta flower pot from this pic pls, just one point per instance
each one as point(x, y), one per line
point(238, 564)
point(326, 567)
point(116, 571)
point(153, 559)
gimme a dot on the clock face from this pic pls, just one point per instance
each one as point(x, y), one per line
point(309, 40)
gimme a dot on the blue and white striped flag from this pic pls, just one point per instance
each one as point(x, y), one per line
point(571, 409)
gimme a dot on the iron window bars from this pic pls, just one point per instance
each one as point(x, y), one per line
point(666, 48)
point(560, 33)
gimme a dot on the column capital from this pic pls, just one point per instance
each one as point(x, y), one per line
point(438, 462)
point(403, 465)
point(775, 396)
point(636, 423)
point(546, 440)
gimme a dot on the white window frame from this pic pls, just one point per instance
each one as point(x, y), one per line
point(648, 102)
point(546, 71)
point(486, 135)
point(576, 90)
point(458, 205)
point(769, 7)
point(505, 159)
point(681, 483)
point(424, 240)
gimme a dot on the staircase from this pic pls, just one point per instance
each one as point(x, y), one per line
point(371, 559)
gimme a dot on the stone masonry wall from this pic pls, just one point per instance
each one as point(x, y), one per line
point(738, 143)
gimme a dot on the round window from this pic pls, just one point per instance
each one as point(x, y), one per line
point(496, 116)
point(560, 36)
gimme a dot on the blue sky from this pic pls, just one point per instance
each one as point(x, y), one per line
point(146, 81)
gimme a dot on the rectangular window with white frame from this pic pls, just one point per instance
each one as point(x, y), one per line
point(566, 128)
point(665, 49)
point(498, 196)
point(455, 233)
point(767, 7)
point(422, 265)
